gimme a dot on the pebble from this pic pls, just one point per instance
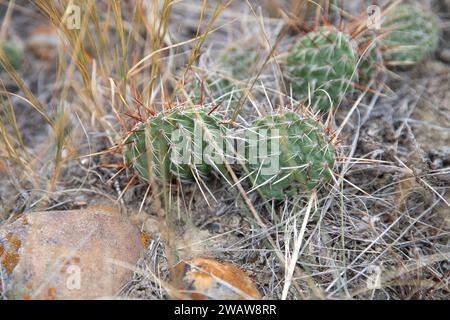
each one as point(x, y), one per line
point(445, 55)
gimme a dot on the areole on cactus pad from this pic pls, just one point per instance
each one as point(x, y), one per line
point(299, 156)
point(175, 143)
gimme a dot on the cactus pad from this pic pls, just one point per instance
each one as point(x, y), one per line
point(321, 63)
point(171, 140)
point(299, 153)
point(411, 35)
point(234, 65)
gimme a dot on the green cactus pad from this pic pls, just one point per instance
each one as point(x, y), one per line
point(14, 54)
point(302, 161)
point(322, 62)
point(239, 61)
point(412, 34)
point(234, 63)
point(168, 159)
point(214, 88)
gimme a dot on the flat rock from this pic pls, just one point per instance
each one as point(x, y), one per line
point(74, 254)
point(208, 279)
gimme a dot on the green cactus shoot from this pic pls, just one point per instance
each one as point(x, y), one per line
point(175, 142)
point(320, 67)
point(299, 155)
point(224, 79)
point(411, 34)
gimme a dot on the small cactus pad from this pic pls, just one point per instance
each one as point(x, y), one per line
point(290, 154)
point(224, 80)
point(214, 88)
point(176, 142)
point(13, 53)
point(411, 35)
point(239, 61)
point(320, 68)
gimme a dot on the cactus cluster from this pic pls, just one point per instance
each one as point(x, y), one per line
point(13, 53)
point(411, 35)
point(303, 149)
point(298, 153)
point(320, 68)
point(297, 148)
point(168, 139)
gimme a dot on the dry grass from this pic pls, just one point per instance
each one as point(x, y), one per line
point(63, 123)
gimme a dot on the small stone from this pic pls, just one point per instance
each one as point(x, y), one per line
point(74, 254)
point(207, 279)
point(445, 55)
point(43, 42)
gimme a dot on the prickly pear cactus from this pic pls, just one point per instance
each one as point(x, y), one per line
point(288, 154)
point(223, 80)
point(411, 35)
point(13, 53)
point(176, 142)
point(211, 88)
point(320, 68)
point(239, 61)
